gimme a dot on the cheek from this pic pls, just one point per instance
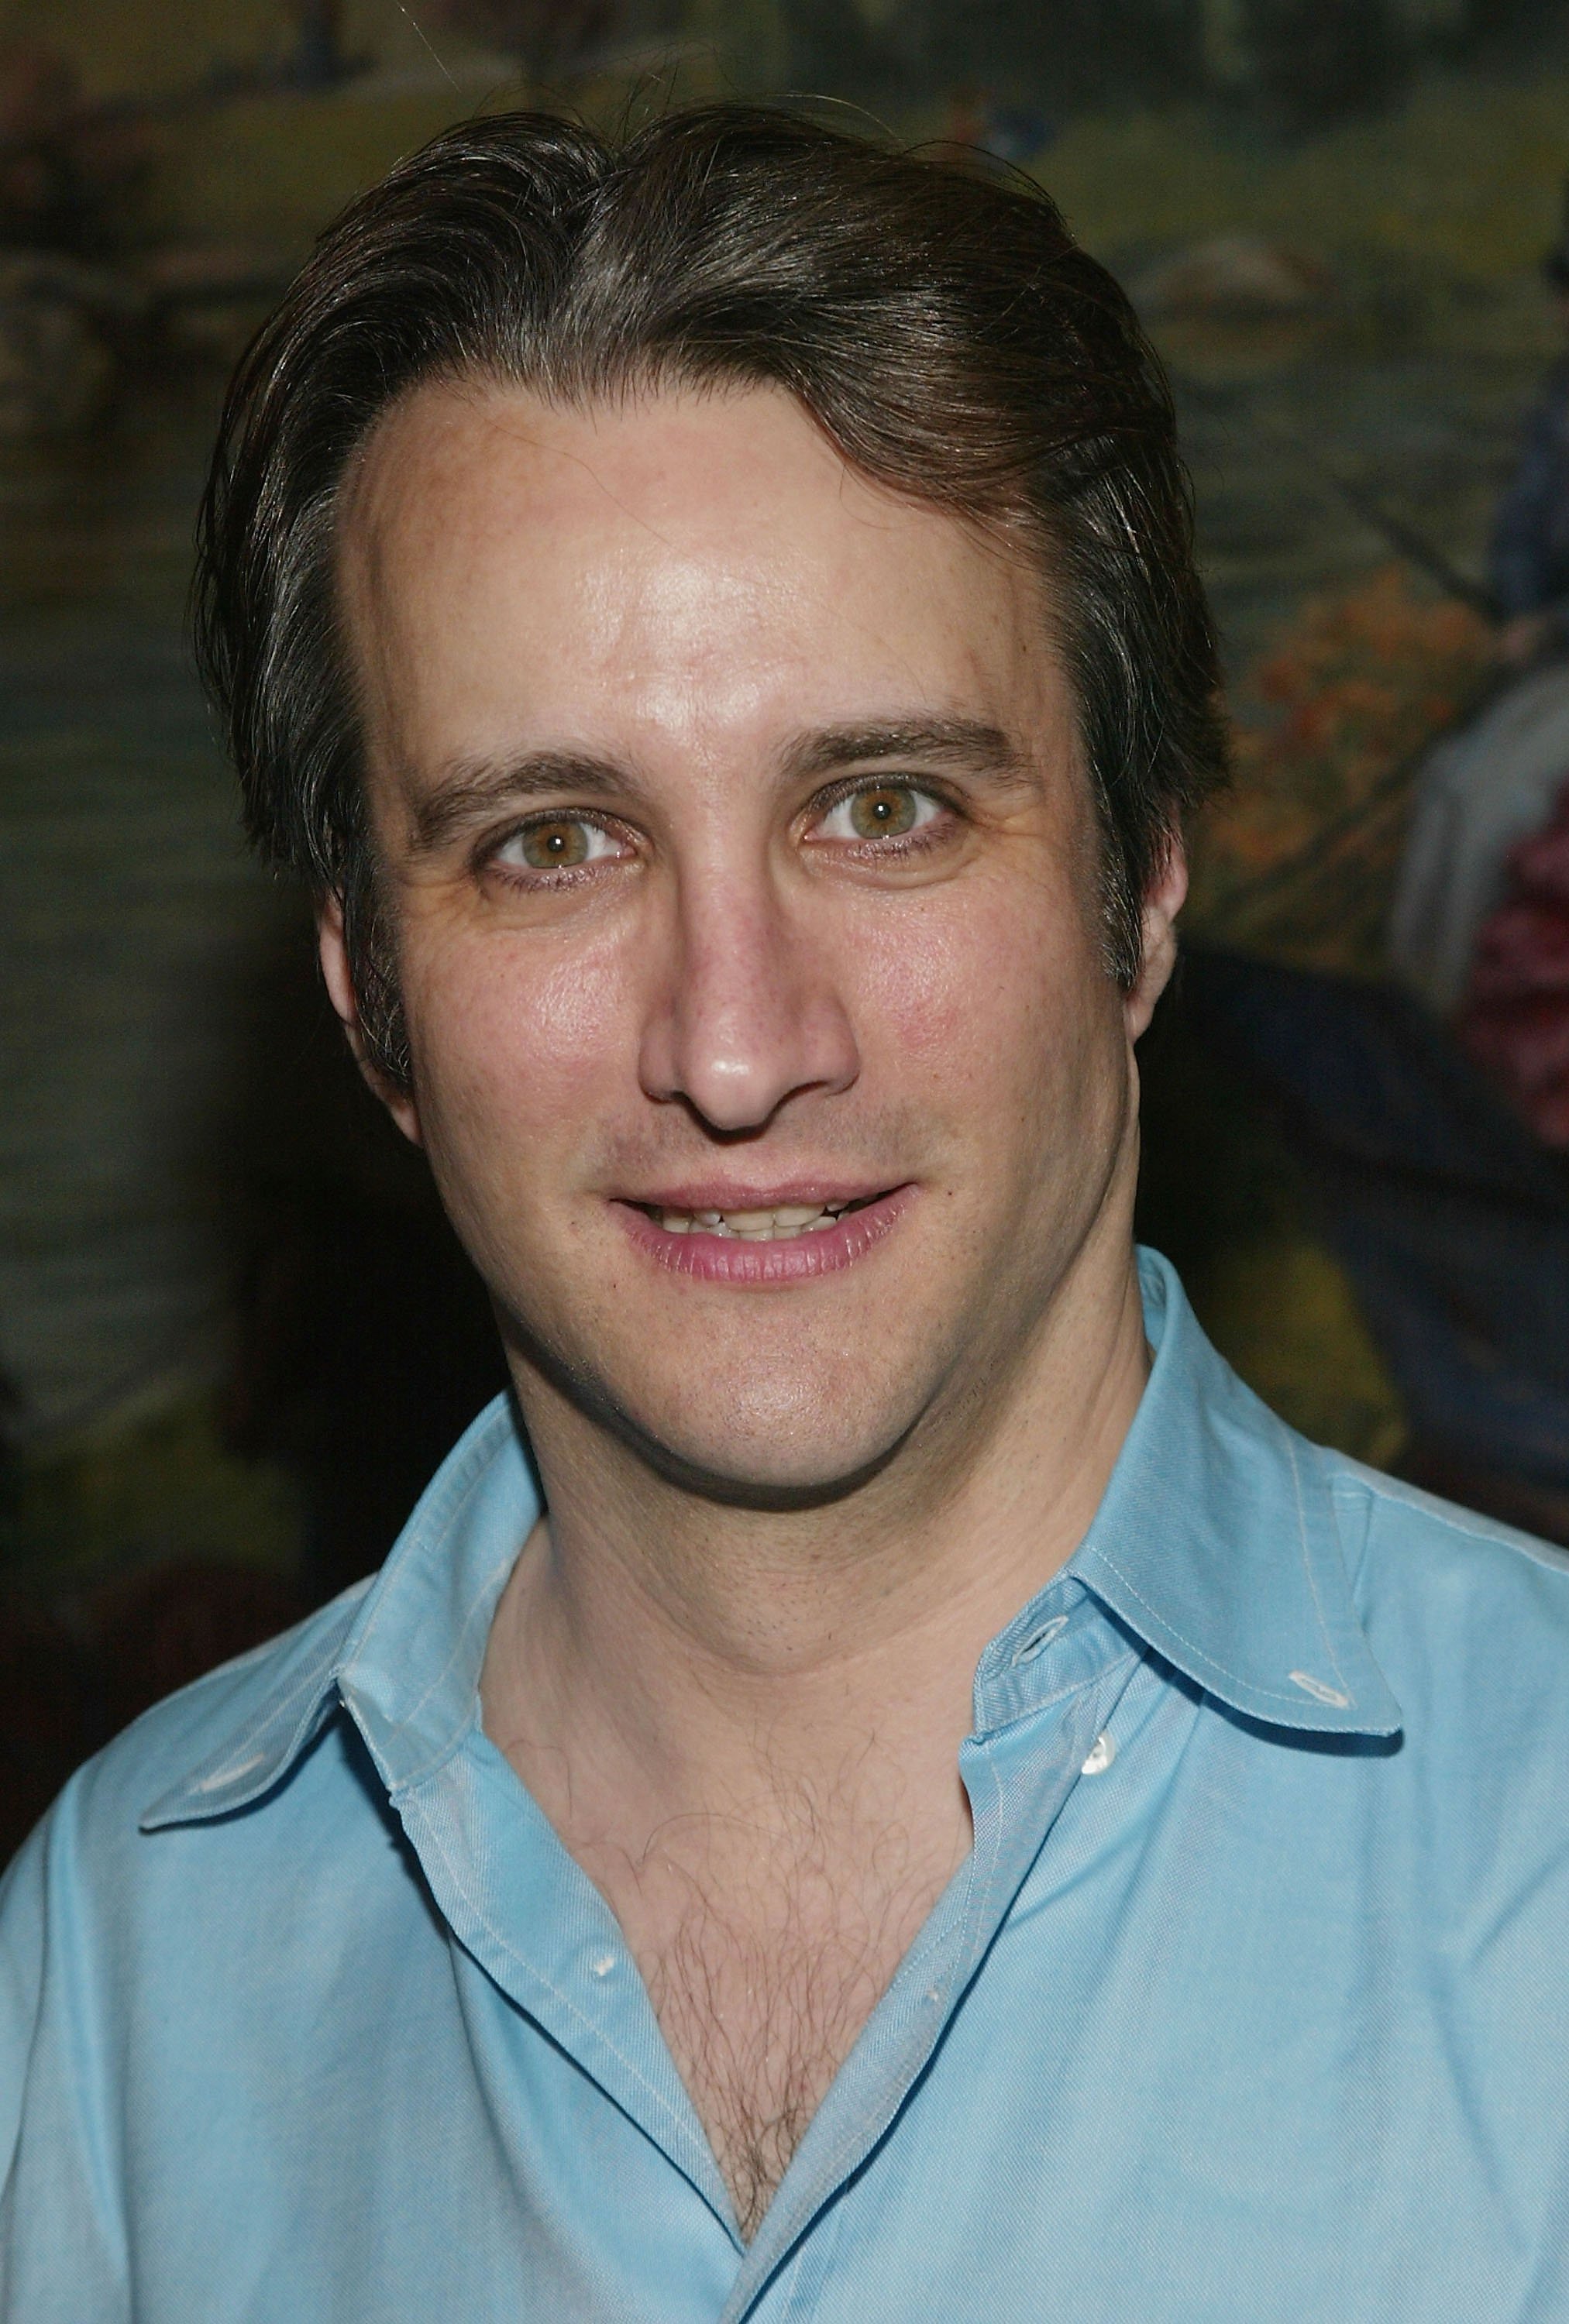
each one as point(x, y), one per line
point(990, 989)
point(503, 1035)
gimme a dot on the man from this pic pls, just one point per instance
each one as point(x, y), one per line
point(906, 1792)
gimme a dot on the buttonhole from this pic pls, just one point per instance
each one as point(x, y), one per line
point(1038, 1640)
point(1317, 1688)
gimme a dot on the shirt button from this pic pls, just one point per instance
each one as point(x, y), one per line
point(1101, 1756)
point(604, 1965)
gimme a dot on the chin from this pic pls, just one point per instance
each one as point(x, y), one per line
point(785, 1425)
point(782, 1446)
point(740, 1476)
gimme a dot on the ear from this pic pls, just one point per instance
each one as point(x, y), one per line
point(332, 951)
point(1163, 900)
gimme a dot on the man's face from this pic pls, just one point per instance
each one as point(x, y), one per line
point(741, 871)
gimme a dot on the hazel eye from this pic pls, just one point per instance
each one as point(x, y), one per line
point(557, 842)
point(882, 811)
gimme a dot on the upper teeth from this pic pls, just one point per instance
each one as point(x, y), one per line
point(754, 1226)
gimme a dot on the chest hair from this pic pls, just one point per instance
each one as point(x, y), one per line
point(763, 1973)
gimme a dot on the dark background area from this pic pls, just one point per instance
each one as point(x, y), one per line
point(236, 1336)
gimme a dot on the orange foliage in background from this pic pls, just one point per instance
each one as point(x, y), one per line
point(1346, 698)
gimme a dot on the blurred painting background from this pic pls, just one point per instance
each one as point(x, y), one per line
point(234, 1335)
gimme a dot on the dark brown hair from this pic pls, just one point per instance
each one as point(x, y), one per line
point(940, 325)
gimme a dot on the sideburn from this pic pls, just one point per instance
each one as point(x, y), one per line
point(373, 966)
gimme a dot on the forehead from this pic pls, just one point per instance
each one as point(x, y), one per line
point(681, 561)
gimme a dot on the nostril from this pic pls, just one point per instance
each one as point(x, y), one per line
point(748, 1014)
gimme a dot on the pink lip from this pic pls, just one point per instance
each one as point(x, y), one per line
point(765, 1265)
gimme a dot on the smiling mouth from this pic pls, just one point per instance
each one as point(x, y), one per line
point(780, 1222)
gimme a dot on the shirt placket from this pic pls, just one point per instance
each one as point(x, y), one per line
point(533, 1921)
point(1038, 1722)
point(516, 1901)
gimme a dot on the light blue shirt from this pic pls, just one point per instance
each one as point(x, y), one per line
point(1252, 2002)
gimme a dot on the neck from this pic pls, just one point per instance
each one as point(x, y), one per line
point(659, 1638)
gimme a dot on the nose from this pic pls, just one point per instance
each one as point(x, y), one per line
point(747, 1013)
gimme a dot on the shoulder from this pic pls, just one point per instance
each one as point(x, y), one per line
point(1466, 1617)
point(243, 1738)
point(192, 1746)
point(89, 1902)
point(253, 1714)
point(1395, 1520)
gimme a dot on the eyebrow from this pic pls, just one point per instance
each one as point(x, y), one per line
point(967, 745)
point(468, 789)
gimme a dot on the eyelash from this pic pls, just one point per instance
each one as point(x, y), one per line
point(913, 842)
point(535, 876)
point(926, 837)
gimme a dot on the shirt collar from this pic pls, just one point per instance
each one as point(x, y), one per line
point(402, 1654)
point(1216, 1544)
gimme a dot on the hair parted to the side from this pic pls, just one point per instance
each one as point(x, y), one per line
point(941, 327)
